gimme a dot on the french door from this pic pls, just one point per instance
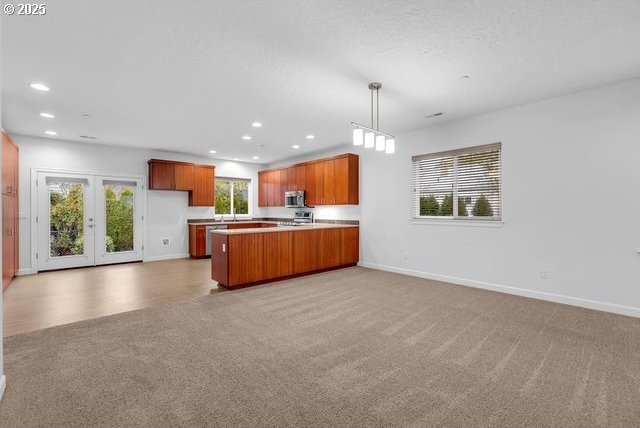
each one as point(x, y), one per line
point(87, 220)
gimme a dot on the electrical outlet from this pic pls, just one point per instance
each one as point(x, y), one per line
point(165, 242)
point(544, 274)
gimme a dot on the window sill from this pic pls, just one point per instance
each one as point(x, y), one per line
point(465, 223)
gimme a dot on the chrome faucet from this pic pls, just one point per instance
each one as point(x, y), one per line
point(221, 218)
point(234, 215)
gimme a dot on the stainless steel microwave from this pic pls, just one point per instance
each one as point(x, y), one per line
point(294, 199)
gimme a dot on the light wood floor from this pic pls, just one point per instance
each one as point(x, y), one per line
point(48, 299)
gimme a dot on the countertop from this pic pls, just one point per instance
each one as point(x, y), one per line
point(212, 223)
point(314, 226)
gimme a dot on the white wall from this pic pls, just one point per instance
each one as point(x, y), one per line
point(167, 211)
point(325, 212)
point(571, 203)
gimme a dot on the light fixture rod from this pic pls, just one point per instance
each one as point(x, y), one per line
point(371, 129)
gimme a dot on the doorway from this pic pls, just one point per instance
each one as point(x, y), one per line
point(88, 220)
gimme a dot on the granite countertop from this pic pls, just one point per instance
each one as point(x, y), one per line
point(313, 226)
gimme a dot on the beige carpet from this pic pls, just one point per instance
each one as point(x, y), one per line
point(355, 347)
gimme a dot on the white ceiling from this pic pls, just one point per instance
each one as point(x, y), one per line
point(193, 76)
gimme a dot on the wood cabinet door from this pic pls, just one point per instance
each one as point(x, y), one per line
point(291, 179)
point(9, 205)
point(262, 189)
point(243, 248)
point(161, 175)
point(329, 182)
point(318, 169)
point(9, 166)
point(203, 194)
point(341, 180)
point(300, 177)
point(278, 254)
point(310, 184)
point(284, 182)
point(184, 176)
point(329, 248)
point(271, 189)
point(349, 245)
point(305, 251)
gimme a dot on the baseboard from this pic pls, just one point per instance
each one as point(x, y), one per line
point(3, 385)
point(25, 271)
point(166, 257)
point(550, 297)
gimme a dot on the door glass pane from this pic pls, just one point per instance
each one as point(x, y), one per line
point(241, 197)
point(119, 205)
point(66, 219)
point(223, 196)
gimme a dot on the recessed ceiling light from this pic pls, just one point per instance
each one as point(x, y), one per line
point(434, 115)
point(256, 124)
point(40, 87)
point(47, 115)
point(236, 159)
point(51, 132)
point(87, 137)
point(295, 146)
point(310, 137)
point(213, 152)
point(464, 77)
point(246, 137)
point(256, 157)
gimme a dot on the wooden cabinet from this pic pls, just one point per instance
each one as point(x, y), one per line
point(252, 258)
point(198, 235)
point(10, 207)
point(278, 254)
point(198, 180)
point(246, 260)
point(162, 175)
point(331, 181)
point(197, 241)
point(203, 193)
point(184, 176)
point(263, 190)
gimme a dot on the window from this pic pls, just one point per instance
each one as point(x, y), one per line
point(232, 195)
point(459, 184)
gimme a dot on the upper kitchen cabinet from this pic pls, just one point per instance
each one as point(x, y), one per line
point(198, 180)
point(184, 176)
point(203, 186)
point(330, 181)
point(9, 166)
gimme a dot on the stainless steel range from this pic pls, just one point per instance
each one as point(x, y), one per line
point(300, 218)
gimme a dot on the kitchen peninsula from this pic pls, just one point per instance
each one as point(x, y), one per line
point(249, 256)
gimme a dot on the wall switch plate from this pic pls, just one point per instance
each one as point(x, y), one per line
point(165, 242)
point(544, 274)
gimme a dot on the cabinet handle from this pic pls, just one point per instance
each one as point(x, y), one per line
point(9, 189)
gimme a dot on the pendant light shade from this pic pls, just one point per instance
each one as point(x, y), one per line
point(358, 137)
point(372, 136)
point(391, 146)
point(368, 140)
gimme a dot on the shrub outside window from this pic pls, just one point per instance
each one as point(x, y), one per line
point(232, 195)
point(463, 184)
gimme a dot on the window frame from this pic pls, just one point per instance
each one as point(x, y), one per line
point(249, 196)
point(494, 221)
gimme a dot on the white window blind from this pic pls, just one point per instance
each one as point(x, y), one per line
point(459, 184)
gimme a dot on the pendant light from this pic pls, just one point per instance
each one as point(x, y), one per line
point(373, 137)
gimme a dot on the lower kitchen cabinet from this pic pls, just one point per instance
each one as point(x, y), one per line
point(240, 259)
